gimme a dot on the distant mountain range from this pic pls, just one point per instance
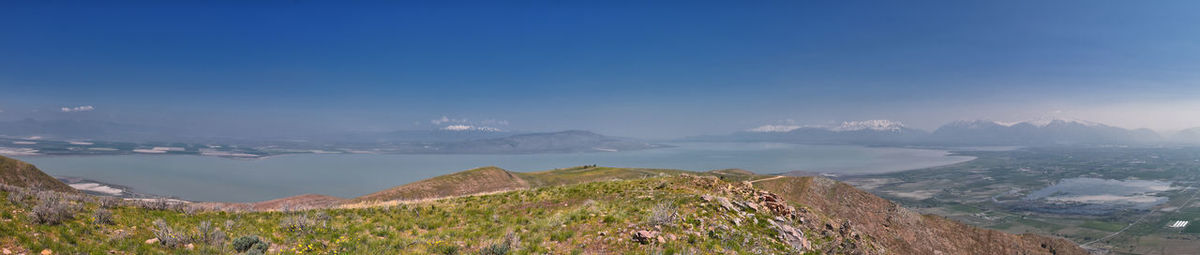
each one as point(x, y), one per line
point(565, 141)
point(1191, 135)
point(1040, 132)
point(483, 140)
point(79, 129)
point(854, 132)
point(49, 136)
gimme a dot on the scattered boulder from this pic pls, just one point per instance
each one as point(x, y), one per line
point(791, 236)
point(726, 204)
point(776, 205)
point(152, 241)
point(747, 205)
point(645, 236)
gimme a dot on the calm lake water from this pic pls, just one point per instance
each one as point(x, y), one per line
point(202, 178)
point(1140, 194)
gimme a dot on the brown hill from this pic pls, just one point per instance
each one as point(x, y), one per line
point(901, 231)
point(18, 173)
point(298, 202)
point(474, 181)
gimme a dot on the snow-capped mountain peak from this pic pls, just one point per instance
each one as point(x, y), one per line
point(977, 123)
point(876, 125)
point(1042, 122)
point(1039, 122)
point(1046, 121)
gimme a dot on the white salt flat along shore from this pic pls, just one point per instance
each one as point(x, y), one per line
point(96, 187)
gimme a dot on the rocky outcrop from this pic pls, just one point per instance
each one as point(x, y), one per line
point(645, 236)
point(853, 214)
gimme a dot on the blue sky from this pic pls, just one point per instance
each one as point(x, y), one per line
point(664, 69)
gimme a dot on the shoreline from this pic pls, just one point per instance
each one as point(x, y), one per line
point(396, 169)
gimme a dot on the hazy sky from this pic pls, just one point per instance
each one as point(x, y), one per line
point(622, 68)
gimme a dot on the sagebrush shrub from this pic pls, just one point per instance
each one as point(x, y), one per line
point(102, 217)
point(218, 238)
point(166, 235)
point(45, 195)
point(303, 223)
point(663, 214)
point(297, 224)
point(190, 210)
point(204, 233)
point(52, 210)
point(108, 202)
point(17, 197)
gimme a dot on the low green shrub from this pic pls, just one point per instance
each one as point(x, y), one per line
point(259, 248)
point(250, 243)
point(561, 236)
point(444, 248)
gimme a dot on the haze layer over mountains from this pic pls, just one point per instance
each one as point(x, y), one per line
point(457, 139)
point(961, 133)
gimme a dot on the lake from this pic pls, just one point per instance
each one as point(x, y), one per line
point(201, 178)
point(1140, 194)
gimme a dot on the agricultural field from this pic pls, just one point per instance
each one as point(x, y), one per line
point(1120, 199)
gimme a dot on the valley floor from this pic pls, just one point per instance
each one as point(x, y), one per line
point(994, 191)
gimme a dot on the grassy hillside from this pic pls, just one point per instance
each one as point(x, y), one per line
point(591, 217)
point(494, 179)
point(584, 174)
point(17, 173)
point(584, 210)
point(660, 215)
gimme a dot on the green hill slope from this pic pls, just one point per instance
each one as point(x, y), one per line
point(17, 173)
point(566, 211)
point(494, 179)
point(584, 174)
point(474, 181)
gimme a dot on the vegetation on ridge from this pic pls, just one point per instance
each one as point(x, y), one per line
point(17, 173)
point(583, 218)
point(566, 211)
